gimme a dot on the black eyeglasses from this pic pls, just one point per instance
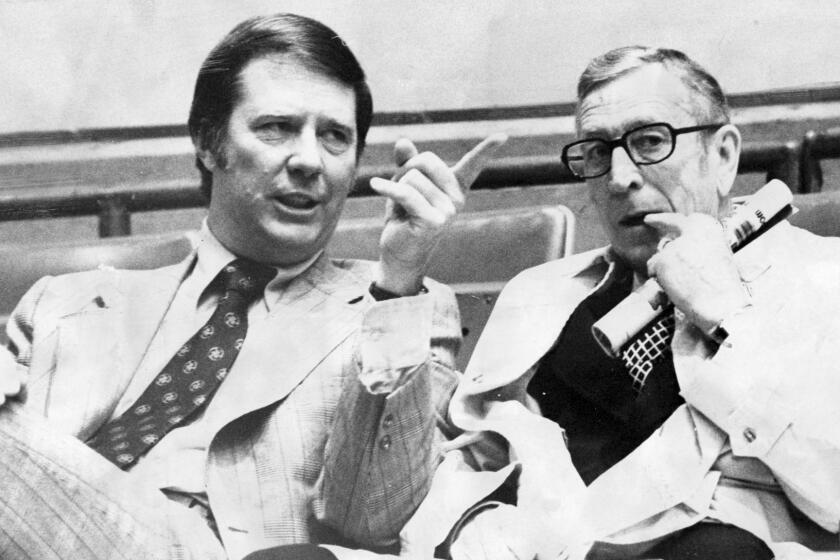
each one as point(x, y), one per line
point(645, 145)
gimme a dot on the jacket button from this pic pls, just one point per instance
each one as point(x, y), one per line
point(749, 435)
point(388, 421)
point(385, 442)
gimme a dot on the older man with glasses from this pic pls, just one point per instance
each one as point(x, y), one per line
point(719, 439)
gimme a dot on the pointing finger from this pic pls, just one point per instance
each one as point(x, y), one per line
point(469, 166)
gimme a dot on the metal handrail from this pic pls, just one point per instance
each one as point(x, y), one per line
point(115, 204)
point(815, 147)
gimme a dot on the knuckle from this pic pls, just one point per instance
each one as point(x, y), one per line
point(438, 220)
point(458, 199)
point(429, 158)
point(419, 161)
point(412, 175)
point(449, 210)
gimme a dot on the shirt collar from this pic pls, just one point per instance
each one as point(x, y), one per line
point(617, 271)
point(212, 256)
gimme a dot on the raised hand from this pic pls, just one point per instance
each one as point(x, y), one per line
point(423, 197)
point(696, 268)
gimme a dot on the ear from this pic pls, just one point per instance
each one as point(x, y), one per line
point(203, 141)
point(727, 147)
point(205, 156)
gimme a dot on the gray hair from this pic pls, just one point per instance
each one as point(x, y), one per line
point(710, 103)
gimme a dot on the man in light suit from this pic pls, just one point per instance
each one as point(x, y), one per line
point(322, 425)
point(726, 445)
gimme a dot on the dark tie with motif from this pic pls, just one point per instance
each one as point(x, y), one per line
point(192, 376)
point(651, 345)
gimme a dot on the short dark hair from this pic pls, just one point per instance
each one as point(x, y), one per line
point(308, 42)
point(613, 64)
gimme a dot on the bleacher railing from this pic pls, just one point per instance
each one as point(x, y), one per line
point(817, 146)
point(794, 162)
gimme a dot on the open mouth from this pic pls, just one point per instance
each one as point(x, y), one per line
point(632, 220)
point(297, 201)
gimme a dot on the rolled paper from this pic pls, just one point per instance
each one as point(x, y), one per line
point(754, 216)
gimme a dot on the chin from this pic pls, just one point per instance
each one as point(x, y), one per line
point(636, 257)
point(289, 256)
point(280, 250)
point(293, 251)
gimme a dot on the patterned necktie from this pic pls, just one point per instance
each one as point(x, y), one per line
point(651, 345)
point(191, 377)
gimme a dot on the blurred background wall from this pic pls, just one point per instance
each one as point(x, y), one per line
point(77, 64)
point(95, 93)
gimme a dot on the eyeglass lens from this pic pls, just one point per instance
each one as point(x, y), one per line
point(644, 145)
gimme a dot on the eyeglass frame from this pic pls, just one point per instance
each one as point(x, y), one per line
point(622, 142)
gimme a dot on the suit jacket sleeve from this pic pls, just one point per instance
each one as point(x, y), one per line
point(390, 420)
point(774, 385)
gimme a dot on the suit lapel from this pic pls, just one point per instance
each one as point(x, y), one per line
point(528, 319)
point(101, 337)
point(313, 318)
point(147, 297)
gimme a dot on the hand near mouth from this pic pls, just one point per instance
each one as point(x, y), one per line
point(631, 220)
point(696, 268)
point(423, 197)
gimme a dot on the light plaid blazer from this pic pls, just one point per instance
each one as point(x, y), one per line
point(307, 448)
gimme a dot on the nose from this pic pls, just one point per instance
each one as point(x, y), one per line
point(623, 174)
point(305, 156)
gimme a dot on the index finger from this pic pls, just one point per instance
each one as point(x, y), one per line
point(469, 166)
point(666, 223)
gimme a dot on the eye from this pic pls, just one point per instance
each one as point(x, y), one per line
point(651, 140)
point(276, 130)
point(595, 150)
point(336, 139)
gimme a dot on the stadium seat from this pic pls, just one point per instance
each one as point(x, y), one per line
point(818, 212)
point(25, 264)
point(476, 255)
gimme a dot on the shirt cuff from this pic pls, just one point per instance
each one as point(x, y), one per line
point(395, 338)
point(380, 294)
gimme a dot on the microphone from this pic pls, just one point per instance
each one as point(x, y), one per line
point(756, 214)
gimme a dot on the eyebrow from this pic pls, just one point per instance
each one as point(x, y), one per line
point(339, 124)
point(262, 118)
point(625, 126)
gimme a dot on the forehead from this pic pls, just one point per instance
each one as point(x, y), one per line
point(277, 84)
point(645, 95)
